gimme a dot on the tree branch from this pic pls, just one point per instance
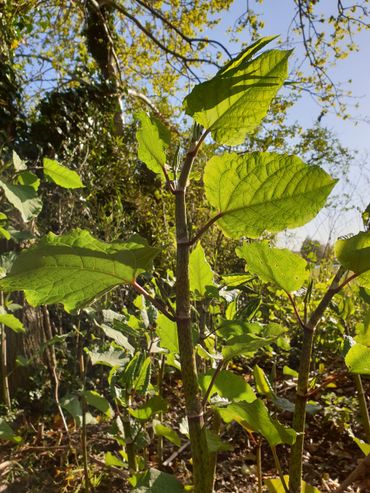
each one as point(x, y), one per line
point(156, 41)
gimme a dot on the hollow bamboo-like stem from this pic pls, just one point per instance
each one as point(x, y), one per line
point(202, 476)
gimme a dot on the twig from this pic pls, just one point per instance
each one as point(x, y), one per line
point(158, 304)
point(173, 456)
point(211, 383)
point(356, 474)
point(156, 41)
point(204, 228)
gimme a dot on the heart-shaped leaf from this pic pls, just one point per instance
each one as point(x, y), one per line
point(200, 272)
point(76, 268)
point(280, 266)
point(259, 192)
point(354, 253)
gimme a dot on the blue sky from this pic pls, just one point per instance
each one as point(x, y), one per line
point(353, 133)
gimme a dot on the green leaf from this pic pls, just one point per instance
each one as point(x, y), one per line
point(166, 432)
point(227, 385)
point(5, 233)
point(24, 198)
point(76, 268)
point(235, 101)
point(153, 139)
point(112, 460)
point(200, 271)
point(11, 321)
point(62, 176)
point(235, 280)
point(154, 481)
point(6, 432)
point(18, 163)
point(167, 333)
point(276, 486)
point(263, 385)
point(215, 444)
point(255, 416)
point(281, 267)
point(118, 337)
point(142, 381)
point(30, 179)
point(259, 192)
point(246, 344)
point(108, 358)
point(154, 405)
point(357, 359)
point(72, 405)
point(365, 447)
point(354, 253)
point(96, 400)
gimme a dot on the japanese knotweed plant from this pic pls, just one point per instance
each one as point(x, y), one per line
point(248, 195)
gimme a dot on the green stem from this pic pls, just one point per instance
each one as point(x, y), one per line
point(193, 401)
point(363, 406)
point(279, 469)
point(299, 419)
point(4, 361)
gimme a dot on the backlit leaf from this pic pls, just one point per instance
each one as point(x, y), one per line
point(76, 268)
point(279, 266)
point(358, 359)
point(62, 176)
point(167, 333)
point(354, 253)
point(24, 198)
point(235, 101)
point(200, 272)
point(259, 192)
point(153, 139)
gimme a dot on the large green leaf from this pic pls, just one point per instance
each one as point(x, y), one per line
point(227, 385)
point(264, 191)
point(235, 101)
point(358, 359)
point(255, 416)
point(76, 268)
point(153, 139)
point(200, 272)
point(281, 267)
point(62, 176)
point(354, 253)
point(24, 198)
